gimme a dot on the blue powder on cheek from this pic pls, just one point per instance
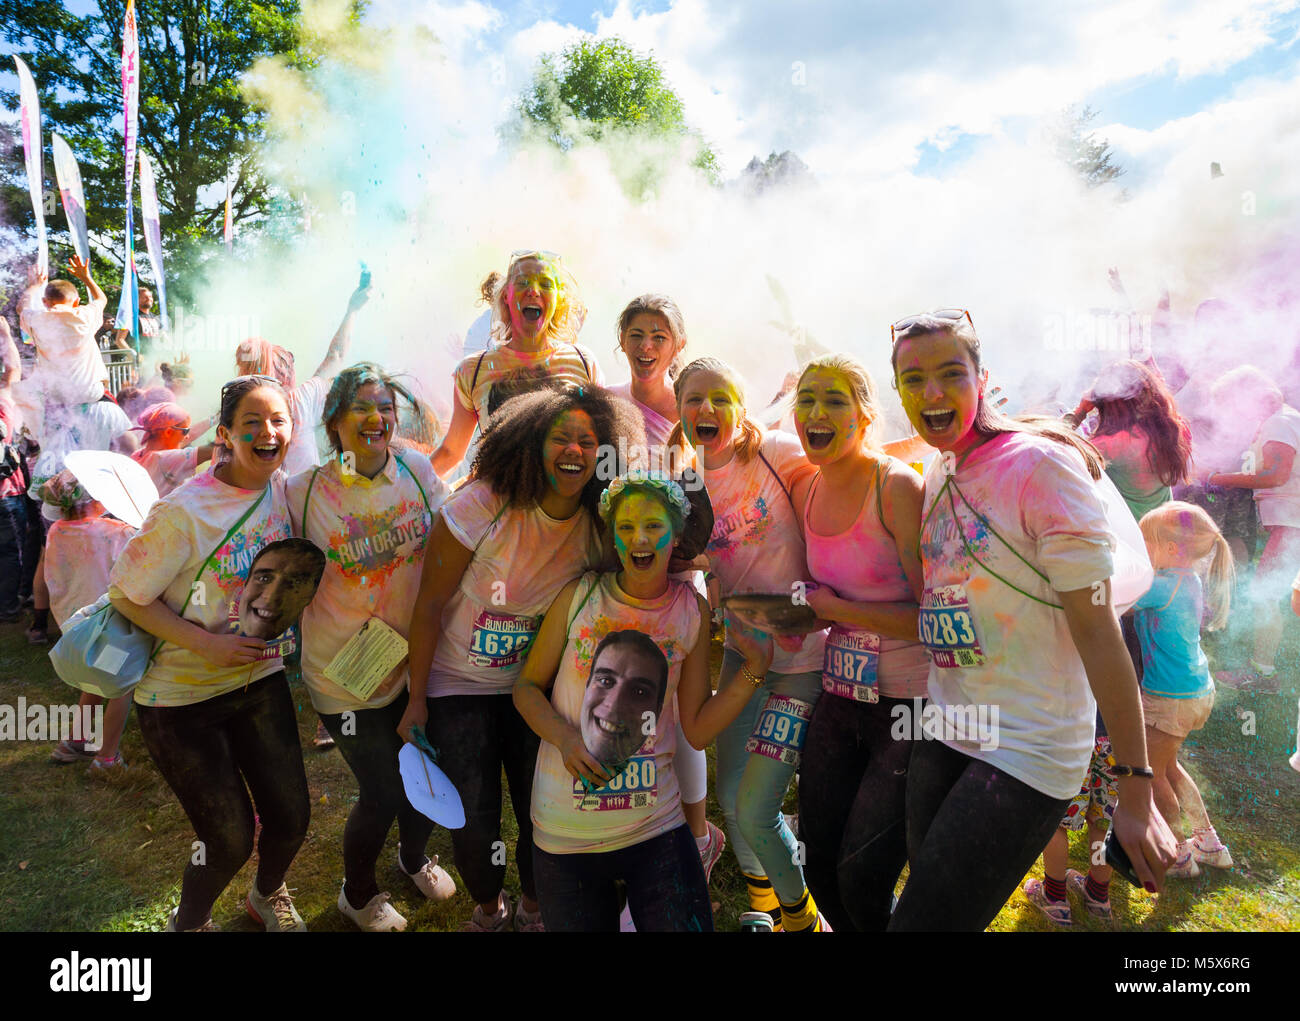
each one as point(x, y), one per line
point(619, 544)
point(664, 540)
point(247, 437)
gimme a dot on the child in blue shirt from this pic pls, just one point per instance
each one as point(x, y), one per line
point(1177, 691)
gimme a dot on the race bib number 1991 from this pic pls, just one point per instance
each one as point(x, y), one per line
point(947, 627)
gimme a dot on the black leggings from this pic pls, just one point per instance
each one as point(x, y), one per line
point(477, 735)
point(852, 819)
point(370, 745)
point(207, 752)
point(666, 890)
point(973, 832)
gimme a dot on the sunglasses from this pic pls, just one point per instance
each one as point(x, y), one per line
point(243, 379)
point(900, 329)
point(534, 253)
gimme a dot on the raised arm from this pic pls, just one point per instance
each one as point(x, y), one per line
point(13, 363)
point(535, 680)
point(81, 270)
point(342, 339)
point(456, 442)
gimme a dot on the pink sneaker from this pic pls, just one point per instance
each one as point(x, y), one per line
point(711, 853)
point(1057, 910)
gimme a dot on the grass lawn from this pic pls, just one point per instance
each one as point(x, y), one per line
point(78, 854)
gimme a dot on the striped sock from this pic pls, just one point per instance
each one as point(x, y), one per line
point(1054, 888)
point(761, 896)
point(1097, 890)
point(801, 917)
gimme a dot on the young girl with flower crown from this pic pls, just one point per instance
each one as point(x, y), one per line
point(504, 544)
point(615, 651)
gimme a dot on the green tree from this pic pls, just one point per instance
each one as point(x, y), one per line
point(1081, 150)
point(193, 120)
point(601, 90)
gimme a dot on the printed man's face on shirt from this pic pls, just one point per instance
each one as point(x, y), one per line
point(279, 587)
point(626, 683)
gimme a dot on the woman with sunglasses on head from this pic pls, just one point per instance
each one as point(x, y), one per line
point(537, 313)
point(1017, 614)
point(214, 706)
point(755, 480)
point(504, 545)
point(371, 508)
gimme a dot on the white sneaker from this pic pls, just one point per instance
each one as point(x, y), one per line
point(208, 926)
point(1219, 858)
point(1184, 866)
point(377, 916)
point(275, 911)
point(432, 880)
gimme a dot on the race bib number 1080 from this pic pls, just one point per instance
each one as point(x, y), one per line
point(947, 628)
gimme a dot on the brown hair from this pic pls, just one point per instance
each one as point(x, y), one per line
point(989, 422)
point(1127, 395)
point(1193, 530)
point(510, 458)
point(659, 304)
point(343, 392)
point(59, 291)
point(751, 435)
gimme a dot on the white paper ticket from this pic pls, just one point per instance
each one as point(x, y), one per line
point(369, 656)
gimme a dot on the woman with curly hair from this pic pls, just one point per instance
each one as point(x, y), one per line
point(504, 545)
point(537, 314)
point(1145, 441)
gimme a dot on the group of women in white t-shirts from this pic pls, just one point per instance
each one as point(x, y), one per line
point(559, 623)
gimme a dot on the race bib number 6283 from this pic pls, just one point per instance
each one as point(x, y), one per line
point(947, 628)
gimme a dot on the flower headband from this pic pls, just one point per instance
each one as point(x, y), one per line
point(640, 477)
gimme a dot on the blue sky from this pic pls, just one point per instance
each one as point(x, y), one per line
point(918, 86)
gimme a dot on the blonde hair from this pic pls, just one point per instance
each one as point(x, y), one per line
point(570, 313)
point(1193, 531)
point(747, 445)
point(861, 386)
point(658, 304)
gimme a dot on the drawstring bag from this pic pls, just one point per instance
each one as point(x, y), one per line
point(101, 651)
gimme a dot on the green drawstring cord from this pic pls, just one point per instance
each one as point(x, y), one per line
point(949, 485)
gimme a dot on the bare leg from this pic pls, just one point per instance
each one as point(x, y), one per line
point(1162, 751)
point(1056, 855)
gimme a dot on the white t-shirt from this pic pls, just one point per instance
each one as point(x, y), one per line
point(161, 562)
point(69, 365)
point(1037, 495)
point(76, 427)
point(79, 555)
point(644, 801)
point(522, 558)
point(756, 544)
point(373, 532)
point(307, 405)
point(1281, 504)
point(657, 430)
